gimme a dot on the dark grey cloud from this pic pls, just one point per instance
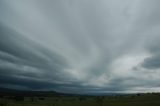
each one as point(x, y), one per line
point(80, 46)
point(26, 63)
point(152, 62)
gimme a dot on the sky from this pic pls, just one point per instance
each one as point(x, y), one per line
point(80, 46)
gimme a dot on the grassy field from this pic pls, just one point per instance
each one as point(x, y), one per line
point(119, 100)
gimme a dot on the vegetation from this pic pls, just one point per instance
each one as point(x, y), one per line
point(55, 99)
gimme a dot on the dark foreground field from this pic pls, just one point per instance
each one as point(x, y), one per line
point(55, 99)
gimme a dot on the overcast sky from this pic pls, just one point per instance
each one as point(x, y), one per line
point(80, 46)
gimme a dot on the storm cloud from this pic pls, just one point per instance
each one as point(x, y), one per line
point(80, 46)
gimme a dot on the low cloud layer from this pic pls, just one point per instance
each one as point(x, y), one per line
point(80, 46)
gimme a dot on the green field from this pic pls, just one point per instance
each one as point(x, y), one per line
point(118, 100)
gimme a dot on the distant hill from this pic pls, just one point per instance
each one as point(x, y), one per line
point(14, 92)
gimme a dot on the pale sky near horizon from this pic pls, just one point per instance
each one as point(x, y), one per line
point(80, 46)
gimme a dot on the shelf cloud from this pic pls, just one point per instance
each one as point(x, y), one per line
point(80, 46)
